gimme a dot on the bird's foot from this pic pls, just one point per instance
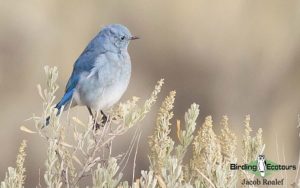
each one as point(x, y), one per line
point(97, 125)
point(104, 120)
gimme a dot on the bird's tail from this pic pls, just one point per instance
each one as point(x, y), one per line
point(58, 112)
point(63, 102)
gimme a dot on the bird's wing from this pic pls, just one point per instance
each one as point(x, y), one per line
point(84, 63)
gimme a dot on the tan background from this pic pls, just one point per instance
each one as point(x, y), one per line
point(236, 57)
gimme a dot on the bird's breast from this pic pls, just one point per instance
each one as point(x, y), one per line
point(106, 83)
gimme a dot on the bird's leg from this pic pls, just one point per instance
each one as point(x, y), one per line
point(90, 111)
point(104, 117)
point(96, 124)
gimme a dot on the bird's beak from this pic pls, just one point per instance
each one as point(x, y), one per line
point(134, 38)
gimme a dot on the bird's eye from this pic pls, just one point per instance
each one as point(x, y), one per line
point(123, 37)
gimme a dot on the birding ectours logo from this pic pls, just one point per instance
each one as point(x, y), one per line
point(262, 168)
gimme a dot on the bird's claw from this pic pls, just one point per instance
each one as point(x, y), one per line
point(103, 122)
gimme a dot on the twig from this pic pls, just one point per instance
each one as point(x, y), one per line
point(130, 145)
point(136, 151)
point(130, 149)
point(206, 178)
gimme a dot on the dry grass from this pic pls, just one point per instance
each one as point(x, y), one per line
point(88, 152)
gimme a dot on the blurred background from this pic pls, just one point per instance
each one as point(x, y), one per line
point(233, 57)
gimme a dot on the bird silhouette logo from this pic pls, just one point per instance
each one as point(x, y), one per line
point(262, 165)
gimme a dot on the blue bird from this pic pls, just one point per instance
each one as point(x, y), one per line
point(101, 74)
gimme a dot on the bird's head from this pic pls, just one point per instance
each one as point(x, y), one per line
point(117, 36)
